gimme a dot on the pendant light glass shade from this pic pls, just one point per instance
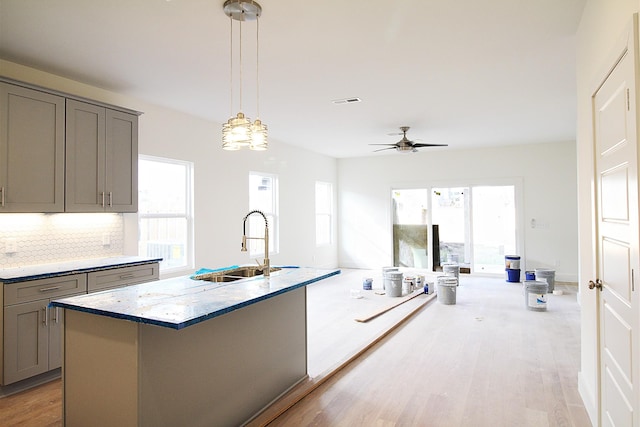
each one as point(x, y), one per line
point(238, 132)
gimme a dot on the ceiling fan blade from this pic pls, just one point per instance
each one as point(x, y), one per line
point(430, 145)
point(384, 144)
point(382, 149)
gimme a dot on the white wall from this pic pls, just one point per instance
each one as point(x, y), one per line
point(221, 178)
point(603, 22)
point(547, 173)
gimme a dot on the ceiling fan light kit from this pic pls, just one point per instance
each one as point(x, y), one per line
point(405, 145)
point(239, 132)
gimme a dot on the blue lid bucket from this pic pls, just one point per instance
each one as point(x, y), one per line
point(512, 262)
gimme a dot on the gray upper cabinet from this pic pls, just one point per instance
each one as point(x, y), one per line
point(32, 138)
point(101, 159)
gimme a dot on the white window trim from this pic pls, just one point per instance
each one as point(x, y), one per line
point(189, 215)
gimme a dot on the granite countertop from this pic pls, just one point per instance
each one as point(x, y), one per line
point(181, 301)
point(43, 271)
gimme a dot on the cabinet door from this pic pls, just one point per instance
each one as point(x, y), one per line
point(26, 337)
point(85, 157)
point(31, 150)
point(122, 162)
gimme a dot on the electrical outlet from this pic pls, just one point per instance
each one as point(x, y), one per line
point(10, 246)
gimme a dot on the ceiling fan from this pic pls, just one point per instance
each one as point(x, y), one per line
point(405, 145)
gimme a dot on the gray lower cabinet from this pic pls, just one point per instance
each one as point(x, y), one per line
point(31, 150)
point(124, 276)
point(32, 331)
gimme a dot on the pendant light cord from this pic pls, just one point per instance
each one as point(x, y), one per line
point(240, 57)
point(257, 67)
point(230, 66)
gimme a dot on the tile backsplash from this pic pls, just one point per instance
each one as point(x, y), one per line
point(29, 239)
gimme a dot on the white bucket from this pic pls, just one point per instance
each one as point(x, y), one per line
point(393, 283)
point(447, 289)
point(451, 270)
point(544, 274)
point(535, 295)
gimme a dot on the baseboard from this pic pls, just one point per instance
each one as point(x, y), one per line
point(588, 399)
point(23, 385)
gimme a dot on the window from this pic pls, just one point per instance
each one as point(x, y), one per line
point(324, 209)
point(263, 196)
point(165, 211)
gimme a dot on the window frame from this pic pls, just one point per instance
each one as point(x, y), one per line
point(255, 247)
point(326, 212)
point(188, 215)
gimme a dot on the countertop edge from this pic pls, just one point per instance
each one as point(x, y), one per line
point(100, 266)
point(194, 321)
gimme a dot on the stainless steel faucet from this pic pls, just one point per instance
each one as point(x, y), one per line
point(266, 266)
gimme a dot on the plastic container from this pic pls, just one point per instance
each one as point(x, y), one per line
point(385, 270)
point(451, 270)
point(530, 275)
point(544, 274)
point(367, 284)
point(513, 275)
point(512, 262)
point(408, 284)
point(393, 283)
point(447, 290)
point(535, 295)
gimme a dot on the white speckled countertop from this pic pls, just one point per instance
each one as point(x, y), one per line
point(43, 271)
point(180, 302)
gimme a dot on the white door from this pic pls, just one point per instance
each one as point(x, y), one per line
point(616, 183)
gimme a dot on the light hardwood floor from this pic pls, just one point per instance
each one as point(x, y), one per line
point(486, 361)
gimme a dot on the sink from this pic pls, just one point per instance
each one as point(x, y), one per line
point(234, 274)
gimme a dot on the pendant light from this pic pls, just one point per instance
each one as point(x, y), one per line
point(238, 132)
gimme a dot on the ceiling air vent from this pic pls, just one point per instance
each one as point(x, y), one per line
point(346, 100)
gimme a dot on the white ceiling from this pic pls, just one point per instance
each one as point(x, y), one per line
point(468, 73)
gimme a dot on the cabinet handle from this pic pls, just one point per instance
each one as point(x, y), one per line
point(126, 276)
point(52, 288)
point(110, 199)
point(56, 314)
point(45, 317)
point(102, 199)
point(2, 190)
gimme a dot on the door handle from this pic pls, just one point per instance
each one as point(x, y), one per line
point(597, 284)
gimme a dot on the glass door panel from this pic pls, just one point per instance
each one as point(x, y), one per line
point(410, 228)
point(494, 227)
point(450, 213)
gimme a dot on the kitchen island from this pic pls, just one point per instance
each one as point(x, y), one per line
point(185, 352)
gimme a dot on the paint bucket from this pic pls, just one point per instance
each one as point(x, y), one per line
point(408, 284)
point(535, 295)
point(393, 283)
point(513, 275)
point(512, 262)
point(367, 284)
point(447, 289)
point(530, 275)
point(451, 270)
point(544, 274)
point(385, 270)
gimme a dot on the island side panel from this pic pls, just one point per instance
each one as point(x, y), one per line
point(100, 374)
point(224, 370)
